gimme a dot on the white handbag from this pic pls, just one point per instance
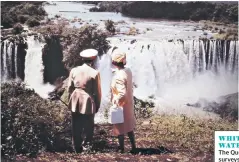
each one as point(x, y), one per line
point(116, 115)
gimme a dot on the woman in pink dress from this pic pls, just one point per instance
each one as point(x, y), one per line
point(122, 95)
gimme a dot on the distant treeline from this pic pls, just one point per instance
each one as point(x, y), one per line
point(13, 12)
point(217, 11)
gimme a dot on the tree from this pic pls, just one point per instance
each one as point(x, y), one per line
point(109, 25)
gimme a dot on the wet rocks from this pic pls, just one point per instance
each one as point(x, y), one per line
point(133, 41)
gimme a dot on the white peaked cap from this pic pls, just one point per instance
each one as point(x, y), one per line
point(89, 53)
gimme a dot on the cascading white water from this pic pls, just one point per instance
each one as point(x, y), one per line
point(15, 56)
point(178, 72)
point(172, 72)
point(104, 67)
point(34, 68)
point(8, 61)
point(4, 61)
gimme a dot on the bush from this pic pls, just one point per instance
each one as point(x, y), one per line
point(17, 29)
point(32, 9)
point(22, 18)
point(31, 22)
point(75, 40)
point(109, 25)
point(96, 9)
point(14, 12)
point(6, 21)
point(31, 124)
point(84, 38)
point(143, 109)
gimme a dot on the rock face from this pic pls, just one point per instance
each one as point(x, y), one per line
point(22, 46)
point(226, 106)
point(52, 56)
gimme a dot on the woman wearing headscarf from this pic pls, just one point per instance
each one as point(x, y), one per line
point(122, 95)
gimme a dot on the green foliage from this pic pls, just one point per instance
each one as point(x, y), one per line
point(187, 133)
point(64, 96)
point(6, 20)
point(96, 9)
point(84, 38)
point(75, 40)
point(13, 12)
point(31, 22)
point(17, 29)
point(22, 18)
point(182, 11)
point(109, 25)
point(31, 124)
point(143, 109)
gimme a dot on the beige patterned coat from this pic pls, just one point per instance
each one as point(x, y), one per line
point(122, 93)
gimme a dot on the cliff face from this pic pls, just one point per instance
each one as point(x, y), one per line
point(52, 56)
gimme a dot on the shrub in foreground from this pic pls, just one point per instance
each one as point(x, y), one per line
point(30, 124)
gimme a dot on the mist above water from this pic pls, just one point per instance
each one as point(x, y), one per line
point(177, 72)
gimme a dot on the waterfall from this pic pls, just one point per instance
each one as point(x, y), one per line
point(4, 61)
point(104, 67)
point(15, 61)
point(34, 68)
point(33, 64)
point(172, 71)
point(8, 60)
point(183, 70)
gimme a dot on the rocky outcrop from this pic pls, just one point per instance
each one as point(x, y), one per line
point(226, 106)
point(21, 54)
point(52, 56)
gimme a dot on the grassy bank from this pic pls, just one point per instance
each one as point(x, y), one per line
point(179, 138)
